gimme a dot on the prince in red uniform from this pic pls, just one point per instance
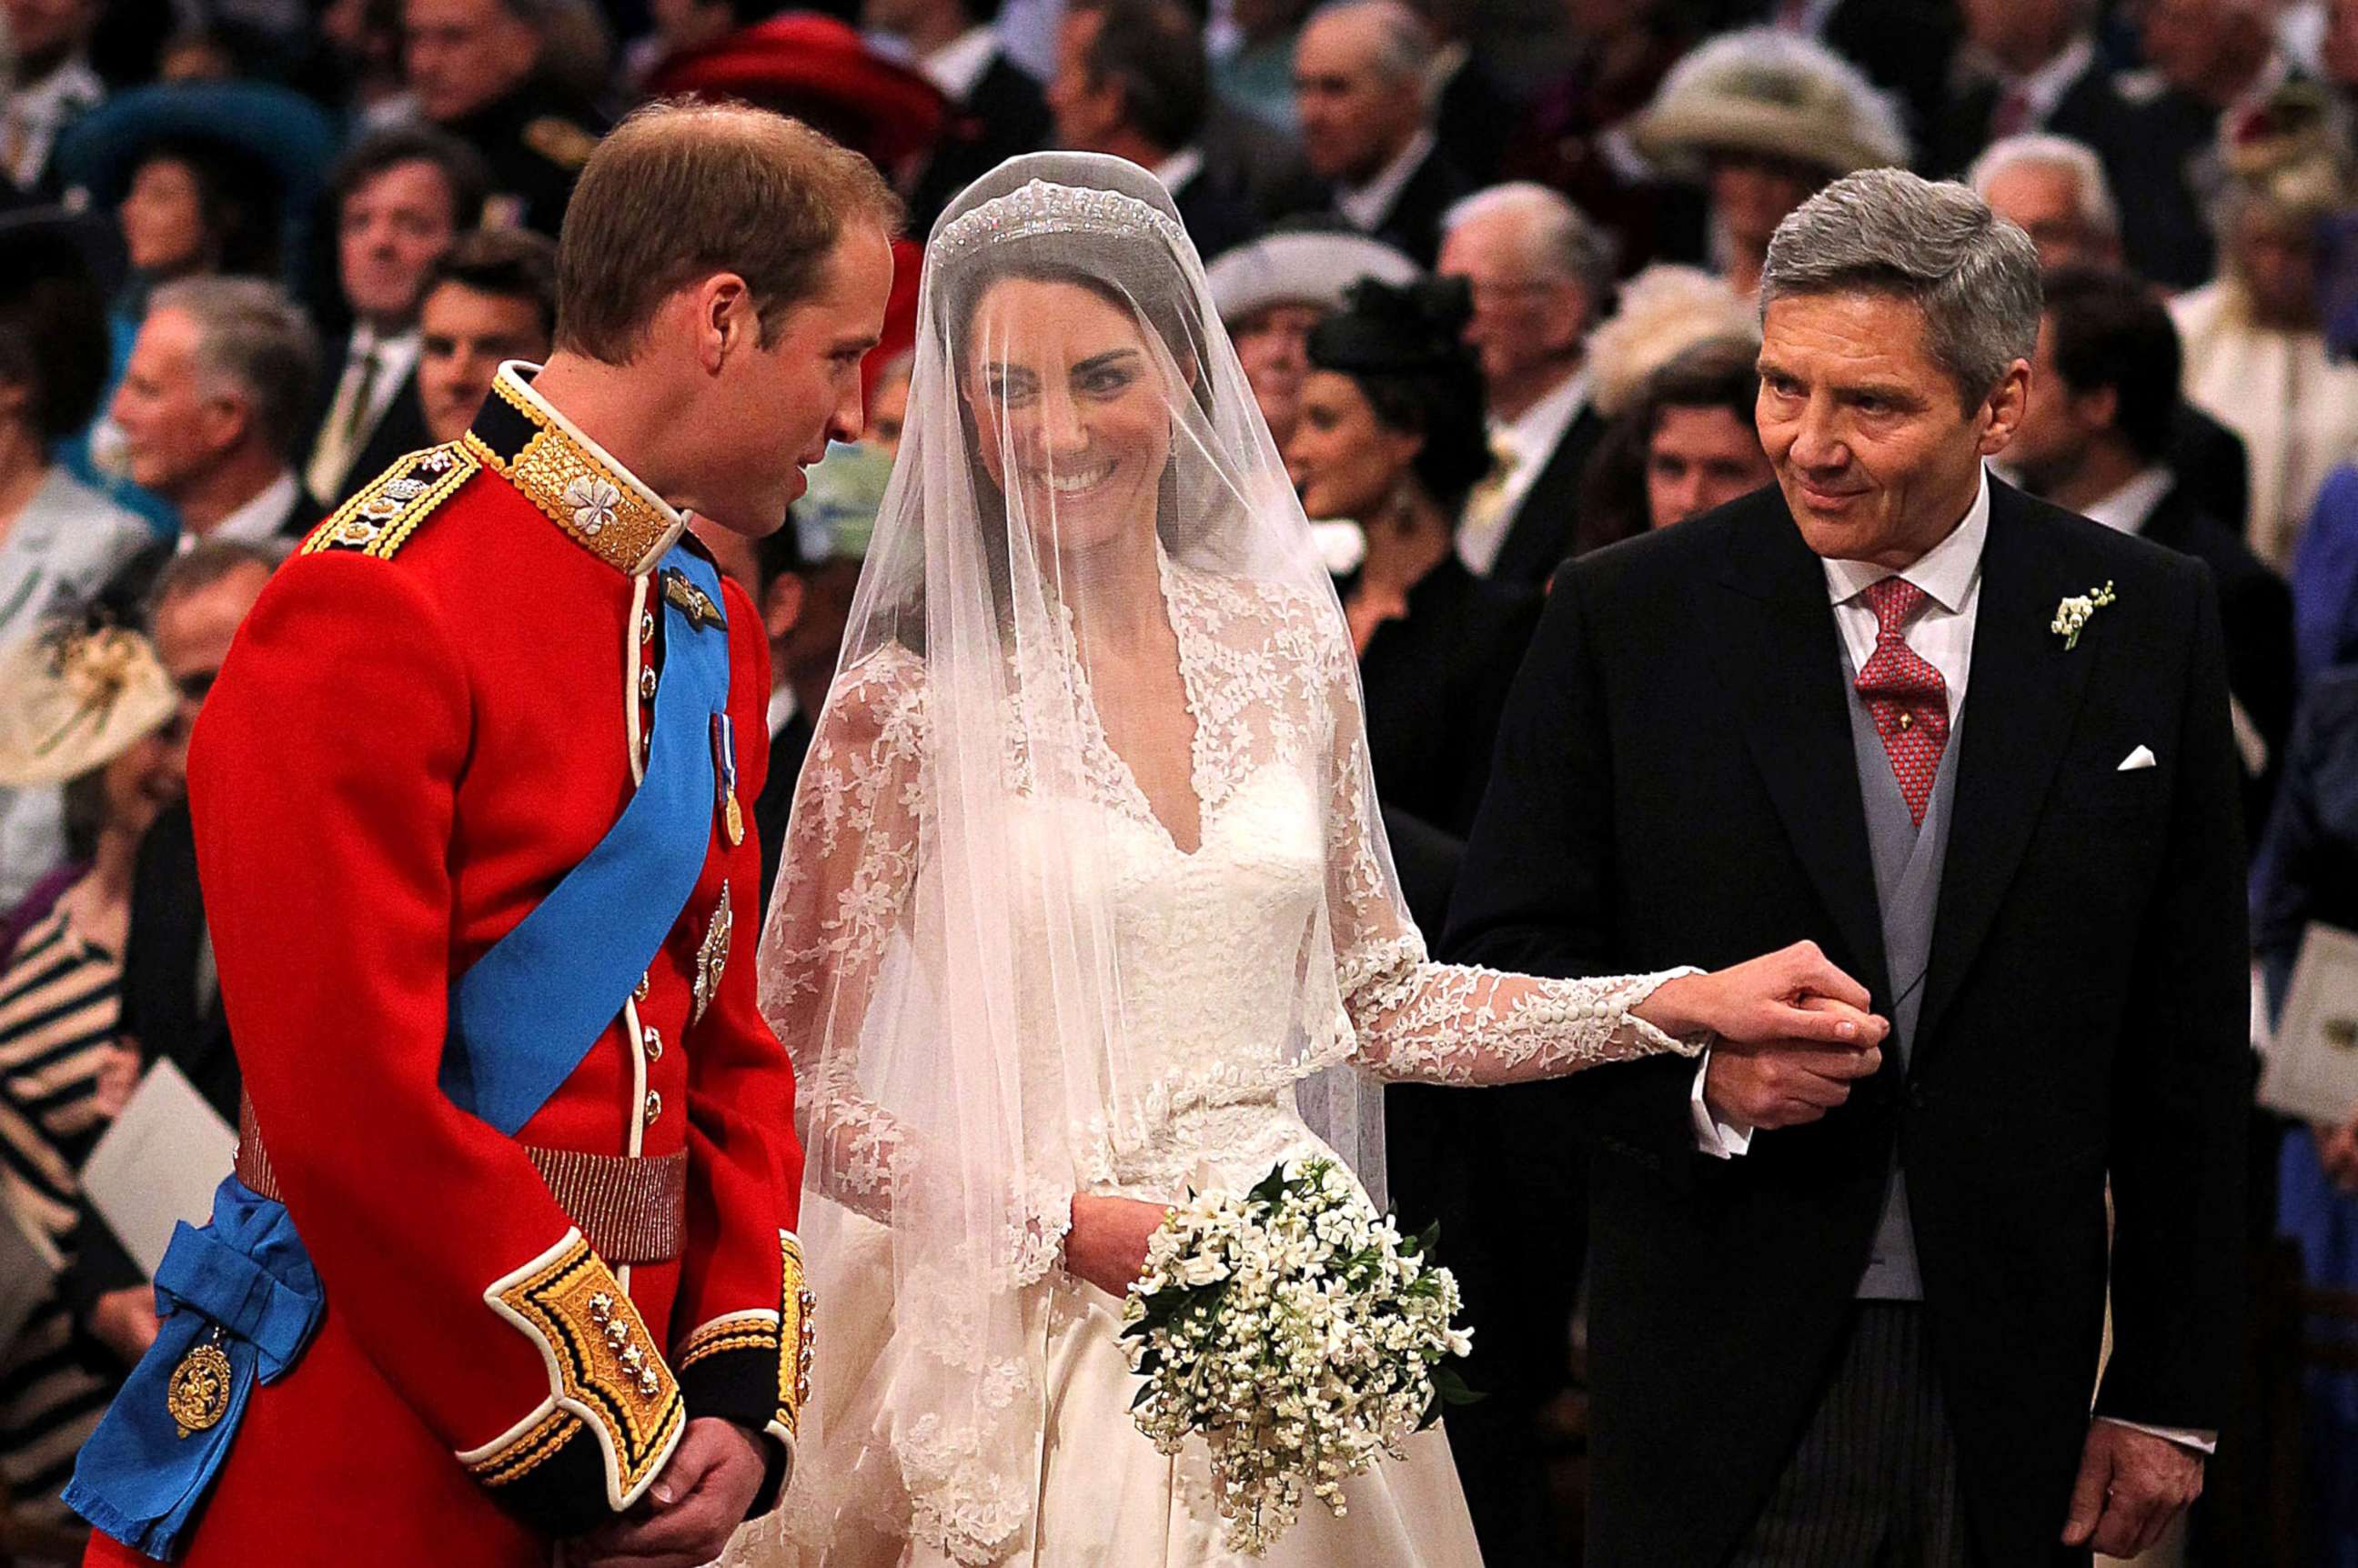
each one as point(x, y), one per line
point(509, 1257)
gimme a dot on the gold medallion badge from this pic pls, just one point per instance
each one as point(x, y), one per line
point(198, 1395)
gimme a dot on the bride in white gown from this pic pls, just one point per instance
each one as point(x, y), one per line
point(1086, 903)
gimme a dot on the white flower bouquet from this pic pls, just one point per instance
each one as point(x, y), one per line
point(1297, 1332)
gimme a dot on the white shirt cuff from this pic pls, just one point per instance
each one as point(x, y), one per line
point(2204, 1442)
point(1713, 1136)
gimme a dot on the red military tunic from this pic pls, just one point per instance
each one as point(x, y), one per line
point(429, 719)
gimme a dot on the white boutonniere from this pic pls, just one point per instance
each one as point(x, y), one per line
point(2071, 615)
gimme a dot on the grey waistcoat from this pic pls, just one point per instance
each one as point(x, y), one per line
point(1908, 860)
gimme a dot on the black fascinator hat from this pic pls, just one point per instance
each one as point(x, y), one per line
point(1404, 345)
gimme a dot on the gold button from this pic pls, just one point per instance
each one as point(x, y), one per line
point(655, 1107)
point(1906, 720)
point(653, 1043)
point(639, 991)
point(647, 627)
point(647, 683)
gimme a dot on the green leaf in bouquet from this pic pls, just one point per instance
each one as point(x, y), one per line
point(1448, 1388)
point(1271, 1187)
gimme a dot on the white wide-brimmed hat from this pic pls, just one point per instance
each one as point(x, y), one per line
point(1773, 94)
point(1303, 266)
point(74, 698)
point(1663, 312)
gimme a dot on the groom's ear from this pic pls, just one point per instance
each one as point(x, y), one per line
point(2000, 415)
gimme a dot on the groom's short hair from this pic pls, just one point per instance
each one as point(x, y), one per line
point(681, 190)
point(1885, 231)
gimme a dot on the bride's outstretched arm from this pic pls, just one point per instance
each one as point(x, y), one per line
point(1445, 1024)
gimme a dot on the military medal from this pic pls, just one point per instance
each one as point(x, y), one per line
point(724, 756)
point(198, 1394)
point(712, 956)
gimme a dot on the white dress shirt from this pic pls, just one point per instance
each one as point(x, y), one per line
point(1180, 167)
point(957, 65)
point(783, 708)
point(2125, 510)
point(1366, 206)
point(257, 522)
point(1527, 444)
point(2042, 91)
point(32, 116)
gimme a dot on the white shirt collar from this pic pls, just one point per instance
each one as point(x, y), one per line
point(1536, 433)
point(1179, 168)
point(42, 109)
point(2127, 509)
point(258, 521)
point(1366, 206)
point(1946, 572)
point(957, 65)
point(519, 373)
point(2043, 89)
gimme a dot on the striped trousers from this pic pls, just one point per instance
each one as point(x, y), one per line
point(1873, 1483)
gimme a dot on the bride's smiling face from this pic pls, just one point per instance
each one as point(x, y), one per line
point(1072, 416)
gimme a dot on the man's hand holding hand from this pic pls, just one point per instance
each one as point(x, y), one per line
point(2131, 1485)
point(688, 1516)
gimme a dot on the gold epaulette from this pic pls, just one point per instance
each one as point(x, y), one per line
point(380, 519)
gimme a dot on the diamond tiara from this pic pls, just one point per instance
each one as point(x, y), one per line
point(1040, 208)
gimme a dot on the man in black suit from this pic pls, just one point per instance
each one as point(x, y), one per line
point(1542, 275)
point(1979, 752)
point(171, 997)
point(1905, 46)
point(400, 197)
point(2040, 70)
point(997, 110)
point(2096, 438)
point(1131, 80)
point(1365, 105)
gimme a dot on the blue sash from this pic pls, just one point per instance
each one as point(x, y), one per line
point(521, 1021)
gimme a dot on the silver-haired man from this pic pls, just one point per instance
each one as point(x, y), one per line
point(1978, 749)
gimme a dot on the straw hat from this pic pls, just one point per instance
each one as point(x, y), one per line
point(1770, 93)
point(1665, 310)
point(1302, 267)
point(75, 699)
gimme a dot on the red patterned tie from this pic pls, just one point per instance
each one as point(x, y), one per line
point(1907, 696)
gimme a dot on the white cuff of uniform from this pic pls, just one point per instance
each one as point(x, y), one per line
point(2202, 1441)
point(1713, 1136)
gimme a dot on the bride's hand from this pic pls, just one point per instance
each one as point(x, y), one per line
point(1794, 996)
point(1107, 1244)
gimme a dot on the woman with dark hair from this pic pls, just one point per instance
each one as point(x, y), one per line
point(1390, 435)
point(60, 539)
point(1087, 904)
point(1686, 443)
point(196, 206)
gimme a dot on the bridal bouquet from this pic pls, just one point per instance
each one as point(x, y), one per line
point(1299, 1332)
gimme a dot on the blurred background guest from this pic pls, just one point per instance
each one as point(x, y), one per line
point(2095, 439)
point(1131, 80)
point(1685, 444)
point(1271, 293)
point(1761, 119)
point(2054, 190)
point(399, 198)
point(484, 71)
point(50, 85)
point(490, 299)
point(888, 406)
point(1366, 109)
point(171, 1005)
point(1540, 276)
point(1254, 69)
point(2256, 356)
point(997, 110)
point(60, 539)
point(1657, 315)
point(90, 710)
point(1390, 434)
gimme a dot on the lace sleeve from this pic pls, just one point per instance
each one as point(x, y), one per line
point(1416, 1021)
point(845, 872)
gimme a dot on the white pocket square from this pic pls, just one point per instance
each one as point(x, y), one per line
point(2140, 758)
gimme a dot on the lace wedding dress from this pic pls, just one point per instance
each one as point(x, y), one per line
point(1209, 944)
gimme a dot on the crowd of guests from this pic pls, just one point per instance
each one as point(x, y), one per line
point(1489, 270)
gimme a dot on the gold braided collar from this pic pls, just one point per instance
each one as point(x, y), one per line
point(569, 477)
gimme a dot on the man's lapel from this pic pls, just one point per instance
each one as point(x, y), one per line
point(2021, 696)
point(1784, 659)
